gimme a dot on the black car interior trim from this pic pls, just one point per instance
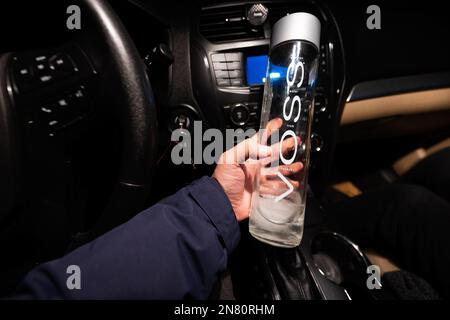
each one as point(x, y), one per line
point(386, 87)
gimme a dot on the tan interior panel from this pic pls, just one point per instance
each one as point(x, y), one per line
point(385, 264)
point(400, 104)
point(407, 162)
point(347, 188)
point(438, 147)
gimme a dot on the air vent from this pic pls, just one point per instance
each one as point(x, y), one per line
point(229, 23)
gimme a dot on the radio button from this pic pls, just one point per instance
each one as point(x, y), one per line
point(239, 114)
point(222, 74)
point(234, 66)
point(218, 57)
point(316, 142)
point(320, 104)
point(253, 106)
point(220, 66)
point(235, 73)
point(236, 82)
point(223, 82)
point(235, 56)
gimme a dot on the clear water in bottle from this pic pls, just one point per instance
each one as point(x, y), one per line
point(279, 199)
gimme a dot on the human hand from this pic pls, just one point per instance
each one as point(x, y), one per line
point(237, 169)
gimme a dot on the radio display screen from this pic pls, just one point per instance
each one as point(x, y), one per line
point(256, 68)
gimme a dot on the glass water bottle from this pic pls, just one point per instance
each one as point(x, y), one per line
point(278, 202)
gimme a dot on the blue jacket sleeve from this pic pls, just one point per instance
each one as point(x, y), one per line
point(173, 250)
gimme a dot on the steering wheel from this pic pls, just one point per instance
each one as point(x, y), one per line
point(49, 92)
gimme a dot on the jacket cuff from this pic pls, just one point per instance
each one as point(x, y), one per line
point(209, 195)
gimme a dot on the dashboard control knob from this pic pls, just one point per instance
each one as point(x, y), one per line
point(316, 142)
point(239, 114)
point(257, 14)
point(320, 104)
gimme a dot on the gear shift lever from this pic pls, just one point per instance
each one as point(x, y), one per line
point(290, 273)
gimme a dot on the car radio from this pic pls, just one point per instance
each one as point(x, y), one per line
point(228, 69)
point(229, 58)
point(238, 69)
point(245, 70)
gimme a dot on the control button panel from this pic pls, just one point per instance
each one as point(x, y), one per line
point(228, 69)
point(320, 104)
point(37, 71)
point(239, 114)
point(236, 82)
point(59, 113)
point(323, 65)
point(316, 142)
point(223, 82)
point(218, 57)
point(242, 115)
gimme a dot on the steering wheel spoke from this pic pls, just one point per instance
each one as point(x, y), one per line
point(51, 87)
point(88, 91)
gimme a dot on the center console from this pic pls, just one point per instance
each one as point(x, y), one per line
point(229, 46)
point(326, 266)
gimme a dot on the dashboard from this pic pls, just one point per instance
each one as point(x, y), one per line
point(218, 60)
point(228, 58)
point(215, 69)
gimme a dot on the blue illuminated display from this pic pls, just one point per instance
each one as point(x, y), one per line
point(256, 70)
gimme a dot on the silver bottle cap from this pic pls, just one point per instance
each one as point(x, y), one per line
point(296, 26)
